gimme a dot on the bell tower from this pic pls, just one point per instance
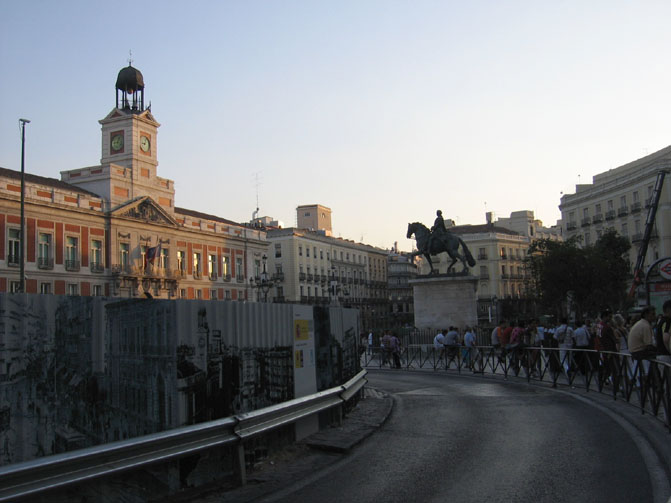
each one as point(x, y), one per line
point(128, 162)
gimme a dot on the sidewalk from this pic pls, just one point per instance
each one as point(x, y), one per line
point(304, 458)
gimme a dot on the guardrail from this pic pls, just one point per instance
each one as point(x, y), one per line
point(28, 479)
point(643, 383)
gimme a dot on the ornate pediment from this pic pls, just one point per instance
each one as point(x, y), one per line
point(145, 209)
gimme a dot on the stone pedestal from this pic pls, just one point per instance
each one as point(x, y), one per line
point(441, 301)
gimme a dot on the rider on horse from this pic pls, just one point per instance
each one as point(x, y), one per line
point(438, 230)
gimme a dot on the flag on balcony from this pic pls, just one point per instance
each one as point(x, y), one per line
point(151, 254)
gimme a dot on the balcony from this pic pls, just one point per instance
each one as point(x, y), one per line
point(13, 260)
point(505, 257)
point(310, 277)
point(180, 273)
point(121, 269)
point(482, 256)
point(197, 274)
point(597, 218)
point(213, 276)
point(484, 275)
point(637, 237)
point(504, 275)
point(648, 202)
point(279, 299)
point(97, 267)
point(278, 276)
point(240, 279)
point(227, 278)
point(45, 263)
point(610, 214)
point(72, 265)
point(585, 222)
point(636, 207)
point(622, 211)
point(301, 276)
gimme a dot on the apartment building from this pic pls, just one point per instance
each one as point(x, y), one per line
point(619, 199)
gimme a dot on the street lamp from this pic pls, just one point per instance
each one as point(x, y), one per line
point(263, 282)
point(22, 269)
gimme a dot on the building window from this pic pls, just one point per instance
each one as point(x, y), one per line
point(71, 254)
point(163, 258)
point(45, 288)
point(300, 251)
point(124, 256)
point(321, 254)
point(314, 251)
point(72, 289)
point(199, 294)
point(585, 212)
point(625, 229)
point(278, 250)
point(257, 268)
point(96, 256)
point(14, 287)
point(213, 294)
point(212, 265)
point(14, 247)
point(182, 293)
point(97, 290)
point(623, 201)
point(597, 209)
point(181, 262)
point(143, 256)
point(635, 196)
point(226, 267)
point(228, 295)
point(307, 251)
point(610, 204)
point(44, 260)
point(196, 265)
point(239, 271)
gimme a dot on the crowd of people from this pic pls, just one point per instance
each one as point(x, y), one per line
point(645, 336)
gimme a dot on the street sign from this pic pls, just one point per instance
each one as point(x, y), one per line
point(665, 269)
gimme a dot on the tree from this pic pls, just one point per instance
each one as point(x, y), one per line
point(566, 276)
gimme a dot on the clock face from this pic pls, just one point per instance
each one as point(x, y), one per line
point(144, 143)
point(117, 142)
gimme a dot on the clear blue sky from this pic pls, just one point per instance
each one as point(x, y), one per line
point(382, 110)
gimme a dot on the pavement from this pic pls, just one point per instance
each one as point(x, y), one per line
point(302, 459)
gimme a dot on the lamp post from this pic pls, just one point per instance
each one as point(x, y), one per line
point(22, 241)
point(263, 282)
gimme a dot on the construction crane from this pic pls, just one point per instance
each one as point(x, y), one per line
point(649, 224)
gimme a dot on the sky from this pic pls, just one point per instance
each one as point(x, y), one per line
point(384, 111)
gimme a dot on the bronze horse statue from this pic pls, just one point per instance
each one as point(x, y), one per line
point(444, 242)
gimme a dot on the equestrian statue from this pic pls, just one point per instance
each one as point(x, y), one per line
point(438, 240)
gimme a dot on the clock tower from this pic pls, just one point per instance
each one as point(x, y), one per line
point(128, 163)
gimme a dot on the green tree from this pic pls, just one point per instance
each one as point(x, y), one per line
point(567, 276)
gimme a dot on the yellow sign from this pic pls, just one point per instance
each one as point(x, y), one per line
point(299, 359)
point(301, 330)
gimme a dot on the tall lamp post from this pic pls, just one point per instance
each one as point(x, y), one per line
point(22, 269)
point(263, 282)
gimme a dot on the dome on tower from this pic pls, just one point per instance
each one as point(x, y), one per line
point(129, 80)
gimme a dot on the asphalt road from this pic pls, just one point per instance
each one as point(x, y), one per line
point(470, 440)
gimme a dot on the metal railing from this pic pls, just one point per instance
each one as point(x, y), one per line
point(28, 479)
point(640, 382)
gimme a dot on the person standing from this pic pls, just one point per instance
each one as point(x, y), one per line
point(641, 336)
point(439, 344)
point(470, 350)
point(564, 336)
point(395, 351)
point(663, 333)
point(582, 342)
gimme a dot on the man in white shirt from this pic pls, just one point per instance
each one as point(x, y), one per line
point(582, 341)
point(564, 336)
point(439, 343)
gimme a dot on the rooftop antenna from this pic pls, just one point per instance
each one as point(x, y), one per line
point(130, 57)
point(256, 185)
